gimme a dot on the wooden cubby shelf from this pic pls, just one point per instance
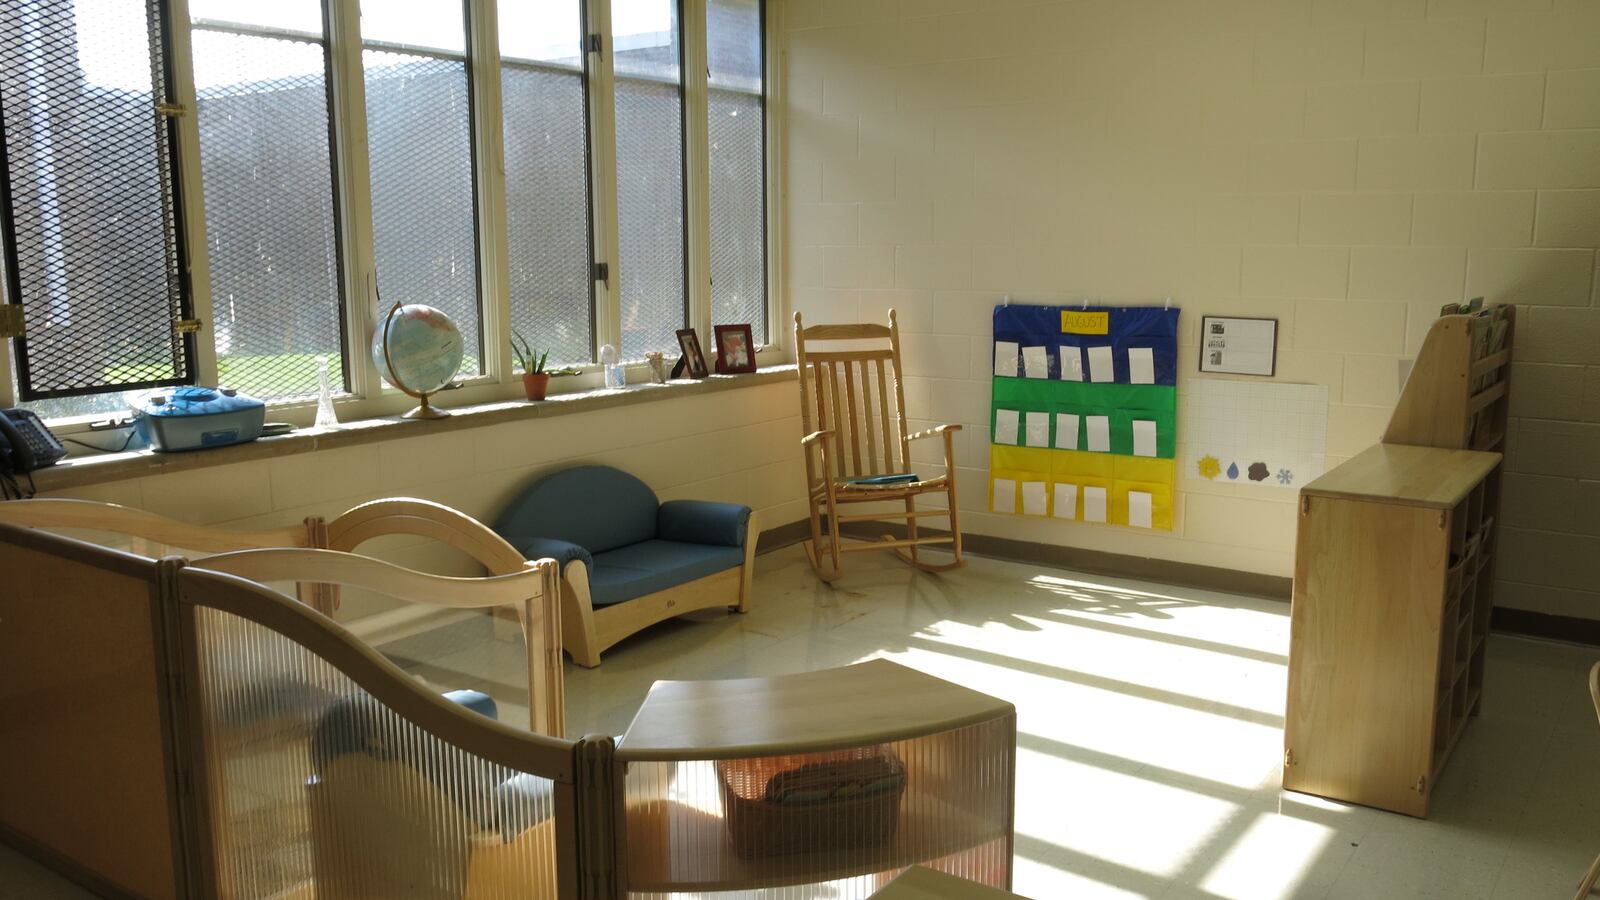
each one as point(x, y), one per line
point(1394, 581)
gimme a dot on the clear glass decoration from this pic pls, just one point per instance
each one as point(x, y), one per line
point(326, 418)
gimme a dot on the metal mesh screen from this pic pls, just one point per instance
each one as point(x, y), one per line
point(738, 211)
point(736, 156)
point(650, 203)
point(650, 260)
point(547, 209)
point(419, 138)
point(271, 224)
point(92, 212)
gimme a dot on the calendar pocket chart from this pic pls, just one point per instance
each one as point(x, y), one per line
point(1085, 414)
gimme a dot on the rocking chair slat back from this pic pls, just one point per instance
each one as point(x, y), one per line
point(856, 394)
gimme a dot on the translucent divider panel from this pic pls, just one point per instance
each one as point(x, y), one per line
point(838, 824)
point(318, 789)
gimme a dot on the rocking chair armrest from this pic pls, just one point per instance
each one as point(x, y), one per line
point(930, 432)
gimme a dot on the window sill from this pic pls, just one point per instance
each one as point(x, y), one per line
point(77, 472)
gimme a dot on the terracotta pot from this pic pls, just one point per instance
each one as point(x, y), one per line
point(536, 385)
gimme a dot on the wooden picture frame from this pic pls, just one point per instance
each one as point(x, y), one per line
point(736, 349)
point(689, 343)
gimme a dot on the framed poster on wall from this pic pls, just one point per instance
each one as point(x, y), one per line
point(1238, 346)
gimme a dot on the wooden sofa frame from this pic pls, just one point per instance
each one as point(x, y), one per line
point(586, 632)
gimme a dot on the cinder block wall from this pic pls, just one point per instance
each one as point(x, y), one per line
point(1343, 166)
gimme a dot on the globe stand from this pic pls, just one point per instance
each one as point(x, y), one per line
point(424, 410)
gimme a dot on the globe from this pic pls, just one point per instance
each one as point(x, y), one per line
point(425, 349)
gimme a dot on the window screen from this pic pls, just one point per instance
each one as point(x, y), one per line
point(650, 202)
point(547, 177)
point(419, 140)
point(737, 162)
point(271, 223)
point(90, 216)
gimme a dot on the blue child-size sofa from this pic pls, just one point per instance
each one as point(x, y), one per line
point(627, 560)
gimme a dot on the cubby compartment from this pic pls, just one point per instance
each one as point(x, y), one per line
point(1458, 532)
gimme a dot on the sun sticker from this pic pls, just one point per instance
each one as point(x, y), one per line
point(1209, 467)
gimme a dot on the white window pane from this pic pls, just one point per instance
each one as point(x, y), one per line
point(294, 15)
point(419, 141)
point(542, 30)
point(428, 24)
point(270, 222)
point(733, 44)
point(650, 216)
point(547, 184)
point(736, 156)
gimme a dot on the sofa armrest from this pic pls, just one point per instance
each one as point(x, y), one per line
point(561, 551)
point(703, 522)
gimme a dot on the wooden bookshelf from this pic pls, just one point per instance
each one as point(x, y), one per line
point(1394, 580)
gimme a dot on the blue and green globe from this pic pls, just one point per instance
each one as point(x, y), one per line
point(425, 348)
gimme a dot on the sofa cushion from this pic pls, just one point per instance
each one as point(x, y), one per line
point(702, 522)
point(655, 565)
point(596, 507)
point(562, 552)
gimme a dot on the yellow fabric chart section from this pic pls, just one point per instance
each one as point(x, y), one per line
point(1099, 487)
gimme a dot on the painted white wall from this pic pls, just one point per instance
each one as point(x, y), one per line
point(737, 445)
point(1341, 165)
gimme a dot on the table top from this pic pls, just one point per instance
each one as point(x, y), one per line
point(920, 883)
point(1414, 476)
point(852, 706)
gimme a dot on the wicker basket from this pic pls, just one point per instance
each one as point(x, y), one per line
point(782, 805)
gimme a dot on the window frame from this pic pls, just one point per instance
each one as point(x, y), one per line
point(367, 397)
point(171, 88)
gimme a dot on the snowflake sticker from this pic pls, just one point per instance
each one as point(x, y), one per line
point(1285, 476)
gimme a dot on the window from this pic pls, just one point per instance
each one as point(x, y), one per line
point(313, 162)
point(420, 151)
point(736, 157)
point(651, 278)
point(91, 229)
point(543, 92)
point(272, 244)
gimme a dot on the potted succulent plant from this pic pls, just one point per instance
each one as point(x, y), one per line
point(535, 380)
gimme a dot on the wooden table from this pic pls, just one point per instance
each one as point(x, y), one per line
point(955, 748)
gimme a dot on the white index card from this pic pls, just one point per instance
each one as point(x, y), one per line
point(1139, 509)
point(1033, 498)
point(1038, 429)
point(1066, 431)
point(1144, 437)
point(1005, 426)
point(1071, 364)
point(1005, 495)
point(1066, 501)
point(1101, 367)
point(1141, 365)
point(1094, 504)
point(1005, 358)
point(1099, 428)
point(1035, 362)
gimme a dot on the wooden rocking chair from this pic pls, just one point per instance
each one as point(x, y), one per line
point(855, 454)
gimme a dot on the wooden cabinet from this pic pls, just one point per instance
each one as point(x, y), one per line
point(1393, 580)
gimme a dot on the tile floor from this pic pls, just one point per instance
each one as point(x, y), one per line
point(1150, 731)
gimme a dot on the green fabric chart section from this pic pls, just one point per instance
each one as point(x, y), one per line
point(1121, 404)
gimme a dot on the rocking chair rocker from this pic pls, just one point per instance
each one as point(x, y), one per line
point(852, 379)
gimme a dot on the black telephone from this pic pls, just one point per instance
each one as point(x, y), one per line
point(25, 444)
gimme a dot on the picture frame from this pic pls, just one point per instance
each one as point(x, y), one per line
point(736, 349)
point(689, 343)
point(1238, 345)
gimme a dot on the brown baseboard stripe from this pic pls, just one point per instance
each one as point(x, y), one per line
point(1527, 623)
point(1090, 562)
